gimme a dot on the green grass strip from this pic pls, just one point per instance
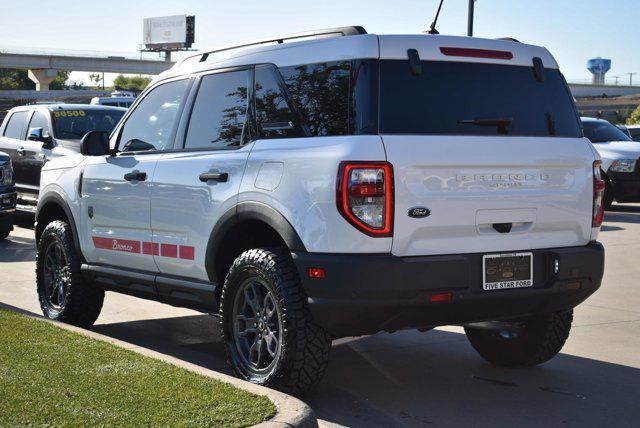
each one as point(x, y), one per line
point(54, 377)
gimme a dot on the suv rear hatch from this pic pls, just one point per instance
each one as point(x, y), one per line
point(490, 147)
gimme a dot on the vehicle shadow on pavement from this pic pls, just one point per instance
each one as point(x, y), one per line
point(194, 338)
point(623, 214)
point(17, 249)
point(414, 379)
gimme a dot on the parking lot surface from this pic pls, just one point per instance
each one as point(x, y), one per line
point(411, 378)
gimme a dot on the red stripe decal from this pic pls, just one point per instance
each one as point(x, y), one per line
point(169, 250)
point(150, 248)
point(123, 245)
point(187, 252)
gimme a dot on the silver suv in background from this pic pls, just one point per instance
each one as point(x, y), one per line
point(619, 155)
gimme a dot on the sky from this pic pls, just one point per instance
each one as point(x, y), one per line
point(573, 30)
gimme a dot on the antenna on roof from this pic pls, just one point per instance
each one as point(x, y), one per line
point(432, 28)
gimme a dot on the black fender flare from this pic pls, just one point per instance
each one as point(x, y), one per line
point(245, 211)
point(59, 201)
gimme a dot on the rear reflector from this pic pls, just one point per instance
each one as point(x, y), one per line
point(315, 272)
point(476, 53)
point(440, 298)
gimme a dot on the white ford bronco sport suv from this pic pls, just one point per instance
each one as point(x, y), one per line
point(337, 185)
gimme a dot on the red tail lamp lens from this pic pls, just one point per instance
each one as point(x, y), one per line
point(598, 195)
point(364, 196)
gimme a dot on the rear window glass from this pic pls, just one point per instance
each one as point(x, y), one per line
point(474, 99)
point(601, 131)
point(75, 123)
point(15, 126)
point(321, 94)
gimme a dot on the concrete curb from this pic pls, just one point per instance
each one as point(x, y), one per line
point(290, 412)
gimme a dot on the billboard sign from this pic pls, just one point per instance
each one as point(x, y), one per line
point(168, 32)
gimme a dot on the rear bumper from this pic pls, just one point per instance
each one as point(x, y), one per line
point(364, 294)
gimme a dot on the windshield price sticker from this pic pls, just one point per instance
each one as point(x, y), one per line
point(69, 113)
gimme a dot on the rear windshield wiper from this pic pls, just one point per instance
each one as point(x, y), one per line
point(501, 123)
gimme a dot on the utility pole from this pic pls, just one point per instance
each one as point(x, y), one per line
point(631, 78)
point(470, 18)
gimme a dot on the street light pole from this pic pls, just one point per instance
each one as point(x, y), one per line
point(631, 78)
point(470, 19)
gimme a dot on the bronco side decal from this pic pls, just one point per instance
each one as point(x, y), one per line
point(173, 251)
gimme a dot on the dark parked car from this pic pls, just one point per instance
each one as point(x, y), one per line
point(634, 132)
point(33, 134)
point(7, 196)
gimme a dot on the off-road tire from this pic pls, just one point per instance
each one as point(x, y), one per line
point(83, 302)
point(6, 226)
point(305, 346)
point(540, 339)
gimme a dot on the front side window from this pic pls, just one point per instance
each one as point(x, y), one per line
point(321, 94)
point(73, 124)
point(39, 120)
point(15, 126)
point(152, 124)
point(274, 116)
point(600, 131)
point(219, 111)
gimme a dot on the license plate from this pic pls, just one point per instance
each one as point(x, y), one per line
point(502, 271)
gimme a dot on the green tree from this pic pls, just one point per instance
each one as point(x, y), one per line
point(15, 79)
point(134, 83)
point(634, 119)
point(19, 79)
point(60, 82)
point(95, 78)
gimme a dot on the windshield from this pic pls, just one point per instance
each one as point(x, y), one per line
point(74, 124)
point(601, 131)
point(464, 98)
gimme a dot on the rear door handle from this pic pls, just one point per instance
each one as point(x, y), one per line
point(21, 151)
point(135, 176)
point(221, 177)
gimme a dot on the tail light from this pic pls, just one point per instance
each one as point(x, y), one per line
point(364, 194)
point(598, 195)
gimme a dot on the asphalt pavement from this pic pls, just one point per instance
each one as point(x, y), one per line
point(415, 379)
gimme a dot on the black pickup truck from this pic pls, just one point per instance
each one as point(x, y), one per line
point(7, 196)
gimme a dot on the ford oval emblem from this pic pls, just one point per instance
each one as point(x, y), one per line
point(419, 212)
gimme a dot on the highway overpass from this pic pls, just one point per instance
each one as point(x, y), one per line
point(43, 67)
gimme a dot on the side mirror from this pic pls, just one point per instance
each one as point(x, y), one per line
point(136, 145)
point(95, 143)
point(38, 134)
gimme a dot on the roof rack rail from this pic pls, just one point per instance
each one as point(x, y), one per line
point(328, 32)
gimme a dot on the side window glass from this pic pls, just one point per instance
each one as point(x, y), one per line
point(321, 94)
point(220, 110)
point(151, 125)
point(39, 120)
point(15, 126)
point(275, 117)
